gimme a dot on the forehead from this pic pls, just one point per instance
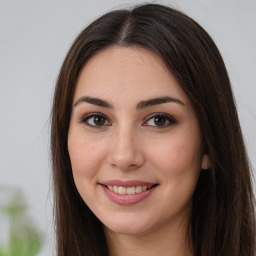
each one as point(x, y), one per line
point(127, 72)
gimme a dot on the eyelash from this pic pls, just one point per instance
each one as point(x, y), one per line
point(93, 115)
point(167, 118)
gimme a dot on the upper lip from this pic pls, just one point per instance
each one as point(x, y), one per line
point(127, 183)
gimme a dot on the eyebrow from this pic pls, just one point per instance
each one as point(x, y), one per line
point(157, 101)
point(141, 105)
point(94, 101)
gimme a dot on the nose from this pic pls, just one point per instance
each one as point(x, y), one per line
point(126, 151)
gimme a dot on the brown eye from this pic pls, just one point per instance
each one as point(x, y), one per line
point(99, 120)
point(96, 120)
point(160, 121)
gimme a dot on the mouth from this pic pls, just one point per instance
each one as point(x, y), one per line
point(127, 193)
point(132, 190)
point(126, 196)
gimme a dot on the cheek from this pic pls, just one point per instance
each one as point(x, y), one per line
point(85, 160)
point(84, 157)
point(178, 154)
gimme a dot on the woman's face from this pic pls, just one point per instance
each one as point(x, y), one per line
point(134, 142)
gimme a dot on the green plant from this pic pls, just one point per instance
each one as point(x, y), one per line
point(24, 237)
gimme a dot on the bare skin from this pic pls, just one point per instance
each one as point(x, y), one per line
point(169, 241)
point(132, 125)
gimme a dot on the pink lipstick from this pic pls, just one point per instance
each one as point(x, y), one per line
point(127, 192)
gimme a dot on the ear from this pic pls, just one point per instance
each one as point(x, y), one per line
point(205, 164)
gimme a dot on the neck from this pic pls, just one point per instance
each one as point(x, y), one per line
point(168, 241)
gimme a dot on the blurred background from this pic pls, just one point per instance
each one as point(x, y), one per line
point(34, 38)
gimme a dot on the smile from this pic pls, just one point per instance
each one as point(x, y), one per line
point(128, 190)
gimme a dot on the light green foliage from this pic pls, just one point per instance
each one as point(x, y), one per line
point(24, 238)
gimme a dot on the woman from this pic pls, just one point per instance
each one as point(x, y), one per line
point(148, 155)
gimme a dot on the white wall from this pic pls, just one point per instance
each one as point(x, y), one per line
point(34, 38)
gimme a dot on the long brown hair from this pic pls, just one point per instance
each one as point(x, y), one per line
point(223, 217)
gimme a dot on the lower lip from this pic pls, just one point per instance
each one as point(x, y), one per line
point(127, 199)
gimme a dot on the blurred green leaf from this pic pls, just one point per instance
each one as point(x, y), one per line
point(24, 237)
point(1, 251)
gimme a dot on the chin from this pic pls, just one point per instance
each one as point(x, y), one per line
point(128, 226)
point(128, 230)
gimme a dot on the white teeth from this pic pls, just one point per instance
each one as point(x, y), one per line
point(131, 191)
point(122, 190)
point(127, 191)
point(138, 189)
point(115, 189)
